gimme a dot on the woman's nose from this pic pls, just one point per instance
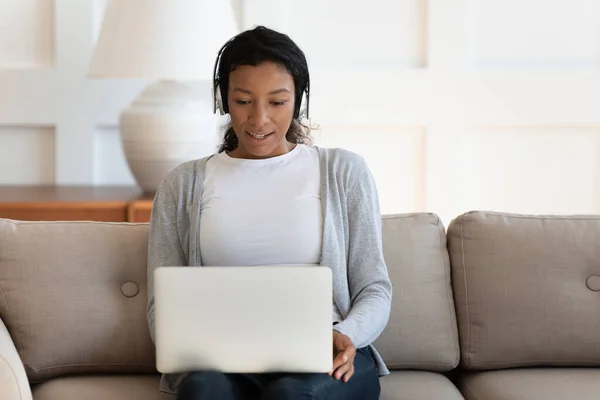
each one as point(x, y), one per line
point(259, 116)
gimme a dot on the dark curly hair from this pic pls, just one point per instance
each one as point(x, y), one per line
point(253, 47)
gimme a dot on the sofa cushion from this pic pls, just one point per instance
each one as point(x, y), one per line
point(399, 385)
point(417, 385)
point(66, 298)
point(422, 331)
point(126, 387)
point(532, 384)
point(524, 289)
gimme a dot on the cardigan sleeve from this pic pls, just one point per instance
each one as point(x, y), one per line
point(166, 246)
point(368, 279)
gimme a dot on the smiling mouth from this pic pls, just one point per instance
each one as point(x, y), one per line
point(258, 137)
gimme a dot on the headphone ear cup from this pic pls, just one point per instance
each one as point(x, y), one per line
point(218, 101)
point(303, 110)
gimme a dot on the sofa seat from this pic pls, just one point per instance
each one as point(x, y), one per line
point(533, 384)
point(399, 385)
point(418, 385)
point(113, 387)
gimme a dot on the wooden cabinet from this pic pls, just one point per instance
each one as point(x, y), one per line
point(139, 210)
point(75, 203)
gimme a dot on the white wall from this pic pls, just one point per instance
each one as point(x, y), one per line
point(456, 104)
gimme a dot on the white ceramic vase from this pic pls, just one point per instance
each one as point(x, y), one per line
point(167, 124)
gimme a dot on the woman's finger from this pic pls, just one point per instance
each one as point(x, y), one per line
point(340, 360)
point(348, 356)
point(349, 374)
point(342, 370)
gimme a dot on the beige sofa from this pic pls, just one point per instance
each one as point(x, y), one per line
point(498, 307)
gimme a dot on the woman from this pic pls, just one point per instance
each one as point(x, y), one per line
point(276, 199)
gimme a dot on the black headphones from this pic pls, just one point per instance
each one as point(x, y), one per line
point(218, 98)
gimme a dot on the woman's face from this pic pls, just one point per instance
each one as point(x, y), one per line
point(261, 106)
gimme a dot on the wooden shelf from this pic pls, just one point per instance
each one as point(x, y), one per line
point(75, 203)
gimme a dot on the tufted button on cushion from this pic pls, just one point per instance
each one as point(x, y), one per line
point(130, 289)
point(593, 283)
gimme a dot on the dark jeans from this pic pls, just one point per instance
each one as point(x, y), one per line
point(364, 385)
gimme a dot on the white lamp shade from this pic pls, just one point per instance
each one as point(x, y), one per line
point(162, 39)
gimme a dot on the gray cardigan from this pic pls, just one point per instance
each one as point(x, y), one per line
point(352, 242)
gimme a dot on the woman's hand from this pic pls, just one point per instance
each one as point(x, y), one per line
point(344, 352)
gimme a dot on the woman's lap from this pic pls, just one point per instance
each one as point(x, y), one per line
point(363, 385)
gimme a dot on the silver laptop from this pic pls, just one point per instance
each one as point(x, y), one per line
point(243, 319)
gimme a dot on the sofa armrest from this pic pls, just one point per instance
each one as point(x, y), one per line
point(14, 384)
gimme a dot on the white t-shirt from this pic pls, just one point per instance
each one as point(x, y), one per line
point(262, 212)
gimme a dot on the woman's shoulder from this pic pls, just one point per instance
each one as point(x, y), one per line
point(184, 176)
point(343, 162)
point(339, 155)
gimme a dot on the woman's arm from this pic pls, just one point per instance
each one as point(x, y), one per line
point(166, 246)
point(369, 283)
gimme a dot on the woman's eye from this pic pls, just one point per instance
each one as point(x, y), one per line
point(245, 102)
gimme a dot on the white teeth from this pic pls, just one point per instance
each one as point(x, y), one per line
point(258, 136)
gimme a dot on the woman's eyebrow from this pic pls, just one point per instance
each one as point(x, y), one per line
point(282, 90)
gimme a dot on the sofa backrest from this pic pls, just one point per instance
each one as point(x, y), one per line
point(422, 331)
point(527, 293)
point(73, 296)
point(527, 289)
